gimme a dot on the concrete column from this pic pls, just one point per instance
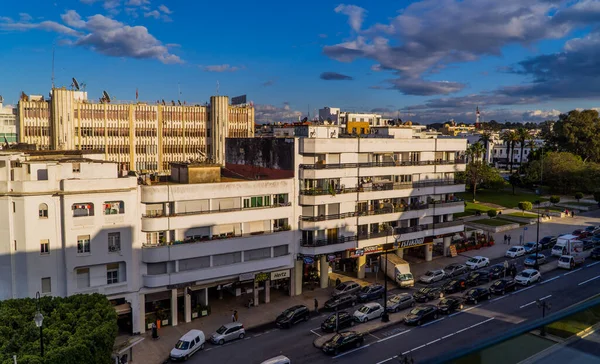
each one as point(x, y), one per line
point(428, 252)
point(324, 271)
point(361, 263)
point(187, 304)
point(267, 291)
point(447, 242)
point(141, 327)
point(255, 292)
point(400, 252)
point(204, 297)
point(297, 282)
point(174, 307)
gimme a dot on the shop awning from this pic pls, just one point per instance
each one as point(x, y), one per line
point(123, 308)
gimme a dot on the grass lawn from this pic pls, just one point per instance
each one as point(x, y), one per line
point(472, 208)
point(503, 197)
point(493, 222)
point(573, 324)
point(550, 208)
point(520, 214)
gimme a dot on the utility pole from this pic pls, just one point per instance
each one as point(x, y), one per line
point(537, 237)
point(543, 305)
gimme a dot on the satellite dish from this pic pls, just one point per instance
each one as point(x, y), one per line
point(75, 84)
point(105, 96)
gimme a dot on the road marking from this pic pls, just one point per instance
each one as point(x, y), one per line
point(543, 298)
point(589, 280)
point(376, 338)
point(475, 325)
point(593, 264)
point(522, 290)
point(550, 280)
point(447, 336)
point(454, 314)
point(208, 349)
point(351, 351)
point(247, 338)
point(316, 328)
point(434, 341)
point(388, 359)
point(498, 299)
point(394, 331)
point(315, 333)
point(257, 335)
point(389, 337)
point(573, 271)
point(470, 308)
point(433, 322)
point(532, 302)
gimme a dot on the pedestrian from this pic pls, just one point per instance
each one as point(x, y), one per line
point(505, 267)
point(505, 239)
point(572, 213)
point(513, 272)
point(509, 237)
point(338, 281)
point(235, 316)
point(316, 306)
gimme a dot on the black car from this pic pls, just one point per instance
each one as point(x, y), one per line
point(595, 254)
point(455, 285)
point(477, 277)
point(340, 302)
point(428, 293)
point(547, 242)
point(450, 304)
point(344, 320)
point(475, 295)
point(292, 316)
point(497, 271)
point(370, 292)
point(421, 314)
point(343, 341)
point(455, 269)
point(502, 286)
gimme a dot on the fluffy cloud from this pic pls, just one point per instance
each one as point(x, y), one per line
point(103, 35)
point(355, 15)
point(270, 113)
point(137, 2)
point(164, 9)
point(334, 76)
point(152, 14)
point(220, 68)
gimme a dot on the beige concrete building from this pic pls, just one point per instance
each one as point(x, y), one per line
point(139, 136)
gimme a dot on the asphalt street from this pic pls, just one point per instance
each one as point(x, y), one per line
point(561, 288)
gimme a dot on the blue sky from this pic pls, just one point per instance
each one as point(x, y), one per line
point(428, 60)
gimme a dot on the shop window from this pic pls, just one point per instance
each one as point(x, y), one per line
point(226, 259)
point(114, 207)
point(83, 244)
point(112, 273)
point(46, 285)
point(83, 209)
point(43, 211)
point(83, 278)
point(114, 242)
point(44, 246)
point(280, 250)
point(257, 254)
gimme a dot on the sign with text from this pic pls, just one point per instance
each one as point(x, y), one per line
point(238, 100)
point(280, 274)
point(412, 242)
point(261, 277)
point(453, 252)
point(247, 277)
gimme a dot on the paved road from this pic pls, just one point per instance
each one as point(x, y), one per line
point(488, 319)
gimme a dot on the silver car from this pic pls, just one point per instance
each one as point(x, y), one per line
point(344, 288)
point(400, 301)
point(228, 332)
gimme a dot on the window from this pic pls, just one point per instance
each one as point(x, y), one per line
point(228, 258)
point(281, 199)
point(114, 207)
point(114, 242)
point(112, 273)
point(43, 211)
point(256, 201)
point(46, 285)
point(83, 278)
point(14, 207)
point(45, 246)
point(246, 203)
point(83, 244)
point(280, 250)
point(280, 224)
point(76, 167)
point(83, 209)
point(257, 254)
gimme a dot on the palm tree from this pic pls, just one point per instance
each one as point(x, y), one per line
point(531, 145)
point(510, 138)
point(486, 138)
point(523, 135)
point(475, 151)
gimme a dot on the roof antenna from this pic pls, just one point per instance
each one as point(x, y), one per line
point(53, 46)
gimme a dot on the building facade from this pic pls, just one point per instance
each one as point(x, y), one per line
point(8, 124)
point(139, 136)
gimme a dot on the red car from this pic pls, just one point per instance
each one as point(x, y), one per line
point(581, 234)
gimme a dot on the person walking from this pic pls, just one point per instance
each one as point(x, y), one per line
point(505, 239)
point(505, 267)
point(316, 306)
point(235, 316)
point(572, 213)
point(338, 281)
point(509, 237)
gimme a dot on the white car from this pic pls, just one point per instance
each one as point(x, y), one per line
point(528, 276)
point(515, 251)
point(187, 345)
point(368, 311)
point(433, 276)
point(477, 262)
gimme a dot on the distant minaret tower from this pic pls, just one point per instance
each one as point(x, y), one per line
point(477, 121)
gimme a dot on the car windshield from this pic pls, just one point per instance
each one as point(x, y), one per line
point(473, 260)
point(471, 292)
point(564, 259)
point(365, 289)
point(451, 283)
point(221, 330)
point(363, 309)
point(445, 301)
point(513, 249)
point(529, 245)
point(417, 311)
point(288, 313)
point(182, 345)
point(337, 338)
point(498, 283)
point(474, 275)
point(395, 299)
point(532, 256)
point(405, 277)
point(341, 286)
point(424, 290)
point(331, 319)
point(525, 274)
point(429, 273)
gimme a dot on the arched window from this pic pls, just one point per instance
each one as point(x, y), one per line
point(43, 211)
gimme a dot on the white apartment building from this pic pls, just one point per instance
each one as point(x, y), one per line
point(501, 153)
point(352, 189)
point(341, 118)
point(8, 124)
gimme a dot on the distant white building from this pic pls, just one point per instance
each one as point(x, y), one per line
point(8, 124)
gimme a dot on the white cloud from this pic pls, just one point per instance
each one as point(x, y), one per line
point(24, 17)
point(220, 68)
point(355, 15)
point(265, 113)
point(137, 2)
point(164, 9)
point(152, 14)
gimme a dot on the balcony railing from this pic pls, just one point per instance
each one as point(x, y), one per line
point(174, 214)
point(378, 187)
point(216, 237)
point(381, 164)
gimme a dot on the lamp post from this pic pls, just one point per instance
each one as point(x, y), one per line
point(39, 320)
point(386, 317)
point(537, 237)
point(543, 305)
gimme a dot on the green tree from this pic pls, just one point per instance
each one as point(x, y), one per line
point(525, 206)
point(486, 138)
point(492, 213)
point(563, 171)
point(514, 180)
point(554, 199)
point(576, 132)
point(510, 138)
point(478, 173)
point(578, 196)
point(523, 136)
point(475, 151)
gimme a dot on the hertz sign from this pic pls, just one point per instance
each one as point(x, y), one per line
point(280, 274)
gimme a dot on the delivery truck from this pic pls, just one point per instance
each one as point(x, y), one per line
point(574, 255)
point(562, 245)
point(397, 269)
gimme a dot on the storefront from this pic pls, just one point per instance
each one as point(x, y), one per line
point(124, 315)
point(415, 247)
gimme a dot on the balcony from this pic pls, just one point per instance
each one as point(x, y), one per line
point(381, 164)
point(187, 213)
point(378, 187)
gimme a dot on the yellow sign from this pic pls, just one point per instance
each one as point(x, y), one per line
point(453, 251)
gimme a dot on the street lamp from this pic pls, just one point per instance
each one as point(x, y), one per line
point(386, 317)
point(39, 320)
point(537, 237)
point(543, 305)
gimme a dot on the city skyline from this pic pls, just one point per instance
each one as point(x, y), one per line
point(427, 61)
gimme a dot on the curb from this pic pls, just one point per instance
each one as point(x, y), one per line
point(320, 341)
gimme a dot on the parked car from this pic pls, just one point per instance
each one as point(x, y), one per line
point(344, 288)
point(292, 316)
point(503, 285)
point(477, 294)
point(228, 332)
point(428, 293)
point(455, 269)
point(421, 314)
point(591, 228)
point(368, 311)
point(338, 302)
point(187, 345)
point(432, 276)
point(477, 262)
point(589, 243)
point(497, 271)
point(531, 259)
point(595, 254)
point(515, 251)
point(343, 341)
point(530, 247)
point(280, 359)
point(400, 301)
point(478, 277)
point(581, 234)
point(344, 320)
point(450, 304)
point(528, 276)
point(370, 292)
point(454, 285)
point(547, 242)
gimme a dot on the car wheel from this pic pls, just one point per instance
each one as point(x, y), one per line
point(489, 296)
point(202, 346)
point(185, 358)
point(461, 306)
point(221, 342)
point(306, 318)
point(336, 352)
point(358, 344)
point(365, 319)
point(352, 323)
point(412, 304)
point(435, 316)
point(474, 302)
point(503, 292)
point(528, 283)
point(419, 323)
point(241, 336)
point(381, 314)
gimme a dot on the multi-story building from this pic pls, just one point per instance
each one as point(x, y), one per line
point(451, 128)
point(139, 136)
point(501, 153)
point(340, 118)
point(8, 126)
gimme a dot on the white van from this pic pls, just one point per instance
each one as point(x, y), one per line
point(560, 248)
point(277, 360)
point(187, 345)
